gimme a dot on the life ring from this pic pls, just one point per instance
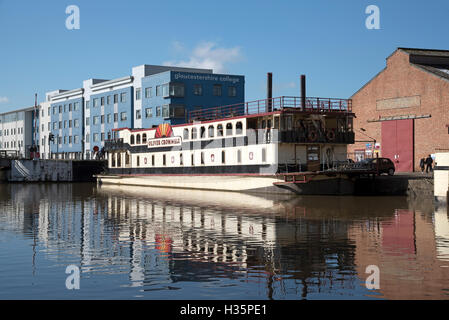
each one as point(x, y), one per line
point(212, 157)
point(145, 160)
point(330, 135)
point(313, 136)
point(251, 156)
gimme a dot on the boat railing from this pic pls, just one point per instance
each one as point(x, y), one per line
point(312, 104)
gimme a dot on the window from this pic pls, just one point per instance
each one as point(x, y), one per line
point(119, 159)
point(177, 111)
point(211, 130)
point(96, 137)
point(158, 111)
point(60, 124)
point(132, 139)
point(55, 126)
point(76, 123)
point(102, 136)
point(76, 139)
point(138, 114)
point(123, 116)
point(229, 129)
point(109, 118)
point(115, 117)
point(113, 160)
point(164, 160)
point(144, 138)
point(95, 104)
point(198, 90)
point(217, 90)
point(96, 120)
point(70, 139)
point(123, 97)
point(194, 133)
point(158, 90)
point(152, 160)
point(70, 107)
point(138, 139)
point(65, 123)
point(232, 91)
point(148, 112)
point(138, 161)
point(87, 121)
point(180, 160)
point(203, 132)
point(239, 128)
point(109, 100)
point(223, 157)
point(65, 108)
point(43, 127)
point(264, 155)
point(177, 90)
point(102, 118)
point(54, 110)
point(65, 139)
point(49, 108)
point(239, 156)
point(87, 138)
point(76, 106)
point(115, 98)
point(165, 90)
point(202, 157)
point(186, 134)
point(148, 92)
point(138, 93)
point(220, 130)
point(87, 104)
point(60, 109)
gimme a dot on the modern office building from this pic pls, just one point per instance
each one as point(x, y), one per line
point(19, 131)
point(80, 120)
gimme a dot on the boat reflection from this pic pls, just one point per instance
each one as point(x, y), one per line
point(245, 246)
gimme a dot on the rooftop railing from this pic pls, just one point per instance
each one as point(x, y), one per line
point(312, 104)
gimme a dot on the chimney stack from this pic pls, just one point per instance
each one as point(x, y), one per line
point(303, 91)
point(269, 105)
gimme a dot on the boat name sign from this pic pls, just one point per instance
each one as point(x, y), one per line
point(164, 142)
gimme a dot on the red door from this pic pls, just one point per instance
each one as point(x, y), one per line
point(397, 143)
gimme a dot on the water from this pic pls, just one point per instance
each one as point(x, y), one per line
point(148, 243)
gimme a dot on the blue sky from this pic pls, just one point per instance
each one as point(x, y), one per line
point(325, 39)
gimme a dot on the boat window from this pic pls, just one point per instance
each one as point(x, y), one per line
point(211, 131)
point(138, 161)
point(264, 155)
point(119, 159)
point(239, 128)
point(229, 129)
point(113, 160)
point(126, 159)
point(223, 156)
point(138, 139)
point(164, 160)
point(220, 130)
point(186, 134)
point(180, 160)
point(203, 132)
point(239, 156)
point(152, 160)
point(194, 133)
point(193, 159)
point(132, 139)
point(202, 157)
point(276, 122)
point(144, 138)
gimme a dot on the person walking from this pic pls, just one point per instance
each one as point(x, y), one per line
point(422, 165)
point(429, 162)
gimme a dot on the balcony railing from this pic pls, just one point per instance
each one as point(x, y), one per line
point(274, 104)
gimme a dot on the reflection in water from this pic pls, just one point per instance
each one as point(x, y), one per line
point(141, 242)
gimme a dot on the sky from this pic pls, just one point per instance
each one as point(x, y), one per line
point(327, 40)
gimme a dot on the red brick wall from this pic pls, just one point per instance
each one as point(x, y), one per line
point(401, 79)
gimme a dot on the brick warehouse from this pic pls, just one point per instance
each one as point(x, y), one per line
point(403, 112)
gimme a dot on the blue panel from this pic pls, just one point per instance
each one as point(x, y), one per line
point(77, 114)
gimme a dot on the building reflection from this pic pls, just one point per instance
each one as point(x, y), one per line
point(286, 246)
